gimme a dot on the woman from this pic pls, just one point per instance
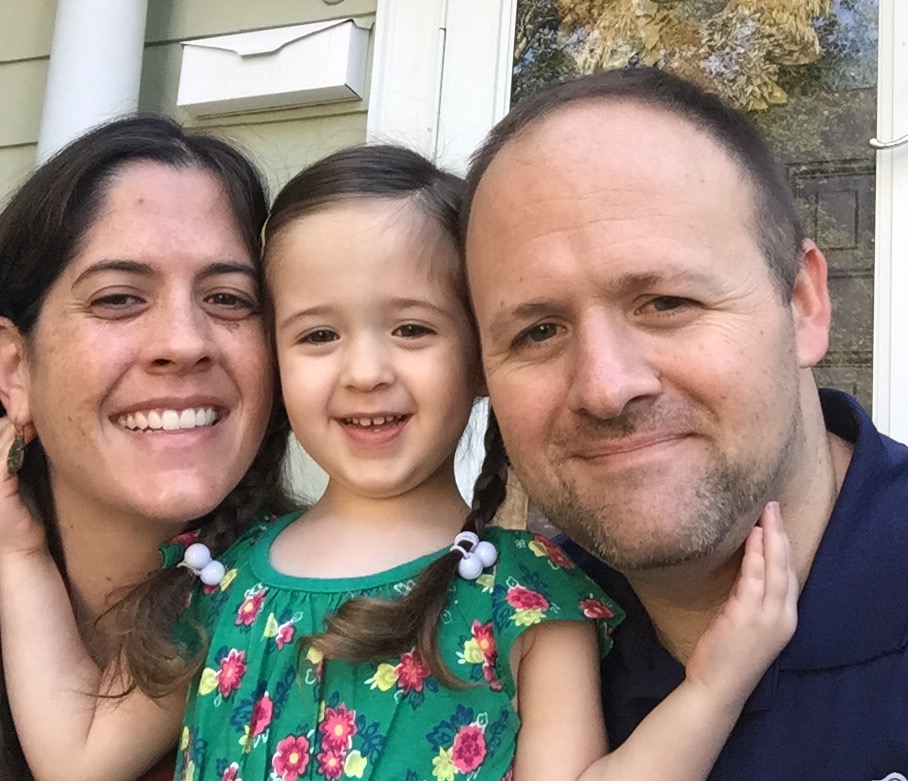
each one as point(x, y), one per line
point(133, 355)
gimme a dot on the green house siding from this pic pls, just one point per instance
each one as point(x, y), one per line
point(281, 142)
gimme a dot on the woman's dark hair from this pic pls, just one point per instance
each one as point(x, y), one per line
point(41, 230)
point(777, 228)
point(366, 629)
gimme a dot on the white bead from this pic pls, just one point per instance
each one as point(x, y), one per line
point(469, 567)
point(471, 537)
point(486, 553)
point(212, 573)
point(196, 555)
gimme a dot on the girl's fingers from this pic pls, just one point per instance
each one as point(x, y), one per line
point(749, 586)
point(777, 556)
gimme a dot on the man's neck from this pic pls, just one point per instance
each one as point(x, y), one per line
point(683, 601)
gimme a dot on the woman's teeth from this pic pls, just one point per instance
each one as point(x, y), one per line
point(168, 419)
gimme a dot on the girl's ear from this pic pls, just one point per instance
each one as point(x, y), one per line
point(14, 377)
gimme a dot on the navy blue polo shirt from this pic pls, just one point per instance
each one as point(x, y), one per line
point(834, 705)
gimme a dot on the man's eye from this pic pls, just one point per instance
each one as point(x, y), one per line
point(541, 332)
point(319, 336)
point(668, 303)
point(231, 301)
point(411, 330)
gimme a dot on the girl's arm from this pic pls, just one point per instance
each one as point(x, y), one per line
point(683, 736)
point(66, 730)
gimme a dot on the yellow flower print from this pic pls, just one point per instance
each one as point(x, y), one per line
point(537, 548)
point(228, 579)
point(354, 765)
point(270, 626)
point(385, 677)
point(314, 656)
point(527, 617)
point(472, 653)
point(184, 739)
point(487, 581)
point(208, 682)
point(443, 767)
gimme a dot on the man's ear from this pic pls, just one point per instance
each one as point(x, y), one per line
point(811, 309)
point(14, 377)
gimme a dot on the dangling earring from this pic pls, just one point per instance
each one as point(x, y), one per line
point(16, 455)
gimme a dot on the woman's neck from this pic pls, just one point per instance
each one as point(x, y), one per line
point(104, 553)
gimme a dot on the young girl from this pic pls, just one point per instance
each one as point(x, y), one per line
point(370, 637)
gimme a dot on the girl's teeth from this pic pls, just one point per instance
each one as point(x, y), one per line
point(169, 419)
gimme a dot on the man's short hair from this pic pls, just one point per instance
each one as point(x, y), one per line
point(776, 224)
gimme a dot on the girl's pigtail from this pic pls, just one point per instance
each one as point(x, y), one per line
point(365, 629)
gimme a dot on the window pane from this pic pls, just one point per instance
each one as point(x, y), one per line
point(806, 72)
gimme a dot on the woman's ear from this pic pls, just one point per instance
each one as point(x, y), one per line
point(14, 378)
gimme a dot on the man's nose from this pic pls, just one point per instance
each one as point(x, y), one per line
point(611, 368)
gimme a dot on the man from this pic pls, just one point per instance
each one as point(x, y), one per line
point(649, 313)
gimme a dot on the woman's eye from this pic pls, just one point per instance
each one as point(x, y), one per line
point(319, 336)
point(232, 301)
point(116, 301)
point(411, 330)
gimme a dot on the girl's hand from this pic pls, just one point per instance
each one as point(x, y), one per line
point(757, 620)
point(19, 531)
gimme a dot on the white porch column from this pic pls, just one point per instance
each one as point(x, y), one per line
point(94, 70)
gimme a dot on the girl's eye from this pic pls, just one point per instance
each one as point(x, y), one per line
point(319, 336)
point(411, 331)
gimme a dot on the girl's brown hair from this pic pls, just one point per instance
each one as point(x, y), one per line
point(41, 229)
point(365, 629)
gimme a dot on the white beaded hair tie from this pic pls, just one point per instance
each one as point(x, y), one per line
point(475, 558)
point(197, 559)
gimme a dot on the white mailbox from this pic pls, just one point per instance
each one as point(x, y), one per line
point(301, 65)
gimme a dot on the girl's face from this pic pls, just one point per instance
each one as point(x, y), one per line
point(378, 361)
point(147, 373)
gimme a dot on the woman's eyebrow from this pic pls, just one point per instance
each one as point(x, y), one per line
point(229, 267)
point(128, 266)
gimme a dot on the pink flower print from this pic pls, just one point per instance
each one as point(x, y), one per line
point(230, 774)
point(230, 675)
point(291, 758)
point(523, 598)
point(555, 554)
point(593, 608)
point(285, 635)
point(338, 727)
point(262, 712)
point(331, 764)
point(482, 634)
point(411, 672)
point(251, 607)
point(469, 748)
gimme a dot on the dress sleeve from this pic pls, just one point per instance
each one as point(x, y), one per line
point(535, 581)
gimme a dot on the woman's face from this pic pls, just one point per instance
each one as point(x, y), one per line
point(147, 374)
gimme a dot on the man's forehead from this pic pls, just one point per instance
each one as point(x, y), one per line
point(609, 137)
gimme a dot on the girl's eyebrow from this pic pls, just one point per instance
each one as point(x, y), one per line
point(417, 303)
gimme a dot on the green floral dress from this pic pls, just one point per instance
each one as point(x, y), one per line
point(265, 709)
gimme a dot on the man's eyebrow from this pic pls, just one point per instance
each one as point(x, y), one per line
point(633, 282)
point(503, 322)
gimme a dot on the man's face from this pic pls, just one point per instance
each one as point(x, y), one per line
point(644, 367)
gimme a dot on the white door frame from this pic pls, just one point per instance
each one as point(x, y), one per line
point(441, 78)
